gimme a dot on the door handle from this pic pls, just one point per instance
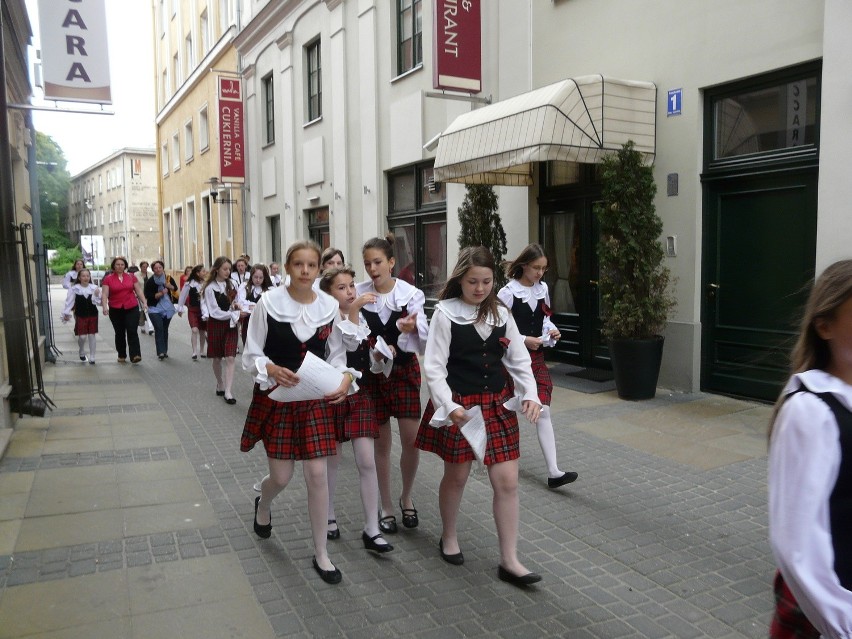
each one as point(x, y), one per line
point(593, 282)
point(711, 290)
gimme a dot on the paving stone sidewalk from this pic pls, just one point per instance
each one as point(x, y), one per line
point(127, 512)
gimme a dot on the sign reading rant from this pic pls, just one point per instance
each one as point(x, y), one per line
point(231, 138)
point(74, 50)
point(457, 45)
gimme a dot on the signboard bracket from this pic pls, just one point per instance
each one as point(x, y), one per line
point(457, 96)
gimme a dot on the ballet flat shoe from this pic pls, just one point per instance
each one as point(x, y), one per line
point(328, 576)
point(332, 534)
point(370, 543)
point(456, 560)
point(517, 580)
point(264, 532)
point(566, 478)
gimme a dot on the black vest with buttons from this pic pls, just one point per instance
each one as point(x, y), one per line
point(359, 359)
point(530, 322)
point(193, 298)
point(389, 332)
point(284, 348)
point(84, 307)
point(840, 500)
point(474, 364)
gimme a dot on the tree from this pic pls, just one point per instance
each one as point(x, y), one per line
point(54, 182)
point(481, 225)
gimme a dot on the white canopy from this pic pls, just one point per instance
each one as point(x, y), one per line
point(575, 120)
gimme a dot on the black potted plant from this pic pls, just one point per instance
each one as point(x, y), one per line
point(633, 281)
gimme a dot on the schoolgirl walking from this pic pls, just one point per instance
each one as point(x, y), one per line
point(82, 299)
point(221, 310)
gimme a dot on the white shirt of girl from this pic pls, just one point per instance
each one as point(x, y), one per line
point(402, 294)
point(89, 290)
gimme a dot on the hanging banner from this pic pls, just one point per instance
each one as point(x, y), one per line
point(74, 52)
point(457, 46)
point(231, 144)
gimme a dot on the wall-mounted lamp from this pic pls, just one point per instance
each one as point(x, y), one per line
point(214, 187)
point(366, 190)
point(337, 196)
point(313, 198)
point(432, 144)
point(286, 206)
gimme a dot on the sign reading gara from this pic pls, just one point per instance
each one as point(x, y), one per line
point(457, 45)
point(231, 131)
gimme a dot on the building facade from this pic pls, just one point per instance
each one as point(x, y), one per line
point(744, 127)
point(116, 199)
point(200, 213)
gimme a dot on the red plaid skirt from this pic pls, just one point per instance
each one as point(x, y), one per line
point(221, 339)
point(397, 395)
point(289, 430)
point(541, 373)
point(86, 325)
point(355, 417)
point(450, 445)
point(789, 622)
point(194, 317)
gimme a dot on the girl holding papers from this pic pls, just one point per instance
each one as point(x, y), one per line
point(219, 308)
point(288, 323)
point(526, 297)
point(398, 323)
point(473, 341)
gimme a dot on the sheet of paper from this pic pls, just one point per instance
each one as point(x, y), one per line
point(546, 339)
point(247, 307)
point(317, 378)
point(474, 432)
point(383, 348)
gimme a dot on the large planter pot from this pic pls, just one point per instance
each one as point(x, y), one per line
point(636, 365)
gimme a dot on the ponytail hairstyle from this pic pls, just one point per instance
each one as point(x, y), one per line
point(195, 273)
point(327, 277)
point(384, 244)
point(515, 269)
point(469, 257)
point(214, 272)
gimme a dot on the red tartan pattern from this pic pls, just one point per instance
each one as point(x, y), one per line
point(289, 430)
point(450, 445)
point(541, 373)
point(355, 417)
point(221, 339)
point(397, 395)
point(194, 317)
point(789, 622)
point(86, 325)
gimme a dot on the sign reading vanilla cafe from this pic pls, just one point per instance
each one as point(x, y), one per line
point(74, 50)
point(231, 133)
point(457, 45)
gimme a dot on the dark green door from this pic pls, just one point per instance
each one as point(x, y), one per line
point(759, 254)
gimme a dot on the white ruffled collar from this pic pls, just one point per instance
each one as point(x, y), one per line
point(195, 284)
point(283, 308)
point(818, 381)
point(79, 288)
point(460, 312)
point(399, 295)
point(525, 293)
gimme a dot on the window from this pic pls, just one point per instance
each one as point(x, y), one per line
point(224, 16)
point(178, 239)
point(203, 129)
point(163, 17)
point(167, 229)
point(176, 71)
point(120, 211)
point(204, 32)
point(418, 219)
point(314, 80)
point(188, 141)
point(175, 152)
point(318, 229)
point(269, 108)
point(190, 225)
point(100, 183)
point(275, 237)
point(409, 34)
point(189, 55)
point(164, 158)
point(164, 88)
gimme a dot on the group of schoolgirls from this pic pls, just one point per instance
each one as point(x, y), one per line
point(372, 333)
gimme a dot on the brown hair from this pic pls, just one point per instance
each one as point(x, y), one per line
point(531, 253)
point(303, 244)
point(384, 244)
point(115, 259)
point(214, 272)
point(329, 253)
point(267, 280)
point(469, 257)
point(327, 278)
point(195, 273)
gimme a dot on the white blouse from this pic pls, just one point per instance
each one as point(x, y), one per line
point(402, 294)
point(90, 290)
point(242, 296)
point(210, 308)
point(516, 359)
point(180, 307)
point(804, 461)
point(531, 296)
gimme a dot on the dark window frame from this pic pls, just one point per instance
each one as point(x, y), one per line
point(269, 106)
point(313, 69)
point(415, 42)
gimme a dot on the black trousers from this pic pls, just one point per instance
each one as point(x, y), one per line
point(125, 322)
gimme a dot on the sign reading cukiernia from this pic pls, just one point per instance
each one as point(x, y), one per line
point(74, 50)
point(231, 138)
point(457, 45)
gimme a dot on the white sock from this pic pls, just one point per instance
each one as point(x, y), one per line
point(547, 441)
point(81, 342)
point(92, 342)
point(332, 463)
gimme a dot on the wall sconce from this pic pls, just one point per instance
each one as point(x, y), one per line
point(337, 196)
point(313, 198)
point(366, 190)
point(214, 187)
point(286, 206)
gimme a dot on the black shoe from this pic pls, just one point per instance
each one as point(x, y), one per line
point(370, 543)
point(556, 482)
point(332, 534)
point(230, 400)
point(328, 576)
point(516, 580)
point(456, 559)
point(195, 358)
point(387, 524)
point(161, 357)
point(220, 393)
point(264, 532)
point(82, 358)
point(409, 516)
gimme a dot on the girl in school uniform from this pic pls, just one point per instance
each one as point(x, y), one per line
point(220, 309)
point(240, 274)
point(527, 298)
point(190, 301)
point(82, 298)
point(287, 323)
point(810, 470)
point(355, 418)
point(473, 341)
point(71, 276)
point(249, 293)
point(397, 317)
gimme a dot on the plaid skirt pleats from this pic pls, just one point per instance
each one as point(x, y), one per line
point(193, 315)
point(789, 622)
point(221, 339)
point(541, 373)
point(355, 417)
point(395, 396)
point(450, 445)
point(85, 325)
point(289, 430)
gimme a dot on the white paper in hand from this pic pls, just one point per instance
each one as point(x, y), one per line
point(317, 378)
point(385, 350)
point(474, 432)
point(546, 339)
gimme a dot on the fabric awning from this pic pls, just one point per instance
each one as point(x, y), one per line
point(576, 120)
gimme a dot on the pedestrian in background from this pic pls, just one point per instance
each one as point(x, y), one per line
point(82, 298)
point(121, 296)
point(190, 301)
point(810, 470)
point(158, 295)
point(71, 276)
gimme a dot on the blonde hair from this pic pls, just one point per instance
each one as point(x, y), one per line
point(300, 245)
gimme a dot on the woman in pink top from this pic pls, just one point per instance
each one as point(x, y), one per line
point(121, 295)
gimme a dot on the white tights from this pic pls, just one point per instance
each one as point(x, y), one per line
point(366, 464)
point(81, 341)
point(547, 441)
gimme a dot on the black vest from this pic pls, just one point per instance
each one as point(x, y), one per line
point(223, 300)
point(474, 364)
point(285, 349)
point(84, 307)
point(389, 332)
point(530, 322)
point(840, 500)
point(193, 297)
point(359, 359)
point(250, 297)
